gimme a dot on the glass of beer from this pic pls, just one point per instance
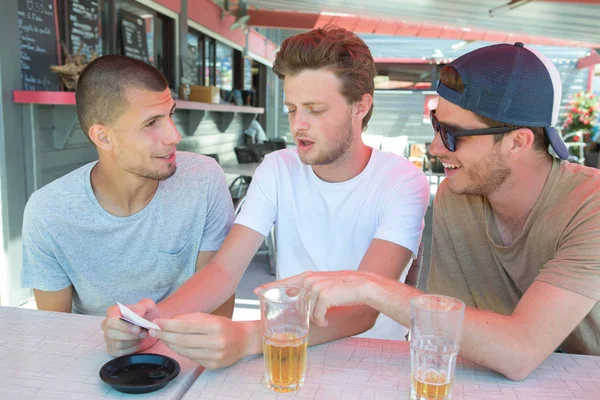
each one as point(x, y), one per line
point(284, 314)
point(435, 333)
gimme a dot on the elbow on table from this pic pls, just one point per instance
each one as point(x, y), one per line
point(517, 373)
point(520, 367)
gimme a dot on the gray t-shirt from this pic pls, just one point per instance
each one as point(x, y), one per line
point(69, 239)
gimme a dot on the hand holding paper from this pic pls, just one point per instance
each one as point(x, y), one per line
point(135, 319)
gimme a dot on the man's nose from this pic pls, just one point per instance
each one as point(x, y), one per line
point(174, 137)
point(437, 148)
point(298, 122)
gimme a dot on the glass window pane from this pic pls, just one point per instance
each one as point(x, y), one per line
point(146, 18)
point(224, 67)
point(247, 74)
point(194, 60)
point(209, 64)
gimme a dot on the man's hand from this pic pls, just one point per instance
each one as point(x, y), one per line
point(209, 340)
point(329, 289)
point(123, 338)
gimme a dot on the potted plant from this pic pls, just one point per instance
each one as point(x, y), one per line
point(582, 112)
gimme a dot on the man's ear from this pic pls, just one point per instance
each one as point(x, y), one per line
point(521, 140)
point(98, 134)
point(364, 105)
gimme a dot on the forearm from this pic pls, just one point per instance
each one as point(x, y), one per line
point(343, 322)
point(492, 340)
point(206, 290)
point(390, 297)
point(489, 339)
point(226, 309)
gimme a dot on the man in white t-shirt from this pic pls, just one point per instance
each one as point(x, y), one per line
point(336, 203)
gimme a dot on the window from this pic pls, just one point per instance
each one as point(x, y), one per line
point(144, 34)
point(247, 73)
point(209, 61)
point(199, 68)
point(224, 67)
point(80, 26)
point(165, 47)
point(192, 67)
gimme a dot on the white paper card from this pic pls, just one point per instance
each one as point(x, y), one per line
point(135, 319)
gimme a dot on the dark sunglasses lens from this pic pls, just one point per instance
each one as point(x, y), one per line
point(448, 139)
point(445, 134)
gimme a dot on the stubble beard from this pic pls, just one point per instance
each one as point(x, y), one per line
point(485, 177)
point(336, 151)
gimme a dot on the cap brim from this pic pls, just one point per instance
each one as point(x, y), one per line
point(557, 143)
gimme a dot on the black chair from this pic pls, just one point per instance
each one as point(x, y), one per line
point(276, 144)
point(266, 147)
point(246, 155)
point(240, 184)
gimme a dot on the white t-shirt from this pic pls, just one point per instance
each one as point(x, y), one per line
point(323, 226)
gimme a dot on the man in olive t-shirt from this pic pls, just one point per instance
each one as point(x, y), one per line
point(516, 233)
point(559, 244)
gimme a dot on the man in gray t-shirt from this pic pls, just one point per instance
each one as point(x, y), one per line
point(70, 240)
point(138, 222)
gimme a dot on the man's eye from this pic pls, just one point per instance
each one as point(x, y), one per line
point(291, 111)
point(151, 123)
point(312, 111)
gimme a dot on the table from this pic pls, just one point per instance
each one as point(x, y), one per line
point(49, 356)
point(45, 355)
point(246, 170)
point(368, 369)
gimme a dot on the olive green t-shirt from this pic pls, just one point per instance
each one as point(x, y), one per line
point(559, 244)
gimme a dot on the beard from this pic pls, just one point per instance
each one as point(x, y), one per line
point(156, 175)
point(486, 176)
point(332, 152)
point(145, 172)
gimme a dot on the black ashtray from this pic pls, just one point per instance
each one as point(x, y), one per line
point(139, 373)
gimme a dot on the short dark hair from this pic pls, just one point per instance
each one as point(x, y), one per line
point(335, 49)
point(100, 94)
point(451, 78)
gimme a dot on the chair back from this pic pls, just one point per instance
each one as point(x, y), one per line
point(245, 155)
point(275, 144)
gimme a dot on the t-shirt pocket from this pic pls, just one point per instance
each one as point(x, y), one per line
point(174, 266)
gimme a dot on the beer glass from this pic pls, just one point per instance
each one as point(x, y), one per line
point(435, 333)
point(284, 314)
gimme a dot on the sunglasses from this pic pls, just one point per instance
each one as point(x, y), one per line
point(449, 136)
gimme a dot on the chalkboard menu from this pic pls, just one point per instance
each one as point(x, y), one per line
point(133, 36)
point(84, 21)
point(37, 26)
